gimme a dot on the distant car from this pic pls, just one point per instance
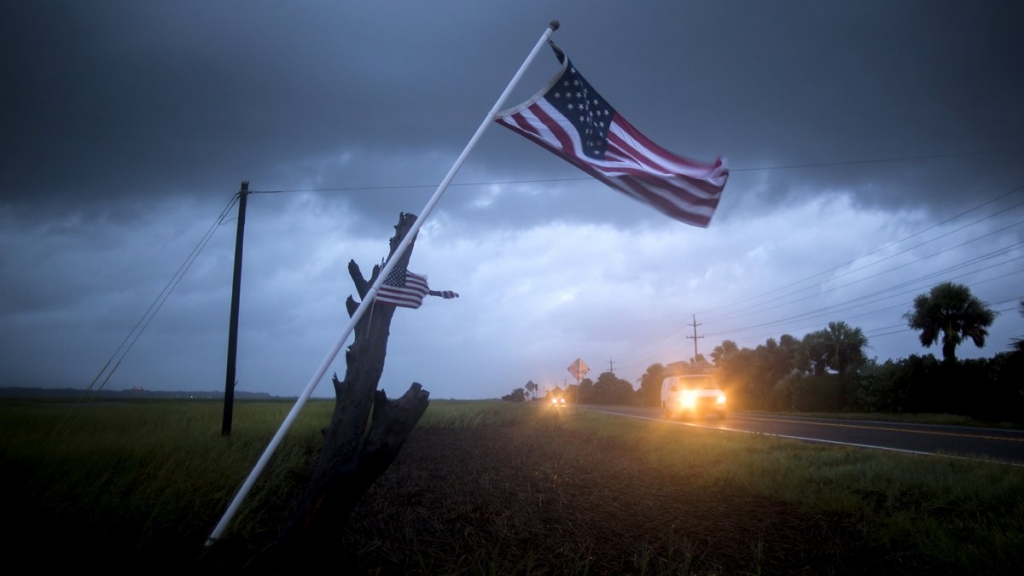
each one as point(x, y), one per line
point(558, 401)
point(687, 396)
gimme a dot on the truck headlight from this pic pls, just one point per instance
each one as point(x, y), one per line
point(721, 399)
point(687, 401)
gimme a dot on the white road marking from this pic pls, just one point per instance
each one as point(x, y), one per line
point(788, 437)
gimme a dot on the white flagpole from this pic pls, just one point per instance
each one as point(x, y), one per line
point(218, 531)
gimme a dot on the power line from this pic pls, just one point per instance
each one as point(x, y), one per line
point(876, 251)
point(911, 288)
point(823, 312)
point(871, 332)
point(661, 347)
point(655, 345)
point(909, 329)
point(588, 178)
point(878, 160)
point(659, 350)
point(158, 302)
point(140, 326)
point(974, 260)
point(661, 344)
point(905, 284)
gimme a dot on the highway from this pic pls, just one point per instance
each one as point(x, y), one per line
point(999, 444)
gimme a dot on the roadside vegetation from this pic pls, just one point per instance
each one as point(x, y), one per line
point(496, 488)
point(828, 371)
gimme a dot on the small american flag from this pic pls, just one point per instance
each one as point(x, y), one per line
point(403, 288)
point(406, 289)
point(569, 118)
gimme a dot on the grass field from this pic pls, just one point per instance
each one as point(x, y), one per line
point(495, 488)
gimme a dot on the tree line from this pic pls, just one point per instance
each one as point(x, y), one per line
point(828, 370)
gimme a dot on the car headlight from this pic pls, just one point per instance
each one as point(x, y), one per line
point(721, 399)
point(687, 401)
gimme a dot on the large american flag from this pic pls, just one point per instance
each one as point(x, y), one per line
point(569, 118)
point(403, 288)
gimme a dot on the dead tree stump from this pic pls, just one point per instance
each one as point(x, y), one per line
point(366, 430)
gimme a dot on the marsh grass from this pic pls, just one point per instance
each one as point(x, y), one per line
point(498, 488)
point(935, 510)
point(145, 475)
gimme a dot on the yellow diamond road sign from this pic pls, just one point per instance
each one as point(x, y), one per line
point(578, 369)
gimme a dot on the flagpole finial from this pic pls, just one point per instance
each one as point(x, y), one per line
point(553, 25)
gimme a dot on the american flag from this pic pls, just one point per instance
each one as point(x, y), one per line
point(403, 288)
point(569, 118)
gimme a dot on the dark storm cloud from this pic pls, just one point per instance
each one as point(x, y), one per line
point(122, 99)
point(127, 126)
point(806, 83)
point(126, 99)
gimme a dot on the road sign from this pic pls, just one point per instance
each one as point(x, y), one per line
point(578, 369)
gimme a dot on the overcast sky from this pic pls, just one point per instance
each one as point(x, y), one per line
point(876, 149)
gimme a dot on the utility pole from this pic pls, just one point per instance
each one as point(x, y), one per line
point(695, 337)
point(611, 365)
point(236, 288)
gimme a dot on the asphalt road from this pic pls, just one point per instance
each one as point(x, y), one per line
point(961, 441)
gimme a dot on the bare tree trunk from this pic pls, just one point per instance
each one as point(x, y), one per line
point(366, 430)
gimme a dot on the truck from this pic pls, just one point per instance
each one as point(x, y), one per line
point(692, 392)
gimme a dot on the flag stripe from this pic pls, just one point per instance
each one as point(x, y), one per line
point(403, 288)
point(547, 123)
point(646, 153)
point(685, 199)
point(615, 152)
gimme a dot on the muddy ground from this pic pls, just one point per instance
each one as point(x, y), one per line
point(516, 500)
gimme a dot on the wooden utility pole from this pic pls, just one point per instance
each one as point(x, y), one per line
point(695, 337)
point(236, 288)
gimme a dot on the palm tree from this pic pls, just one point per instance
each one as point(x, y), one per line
point(950, 310)
point(816, 352)
point(845, 346)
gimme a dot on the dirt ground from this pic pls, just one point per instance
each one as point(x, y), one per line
point(514, 500)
